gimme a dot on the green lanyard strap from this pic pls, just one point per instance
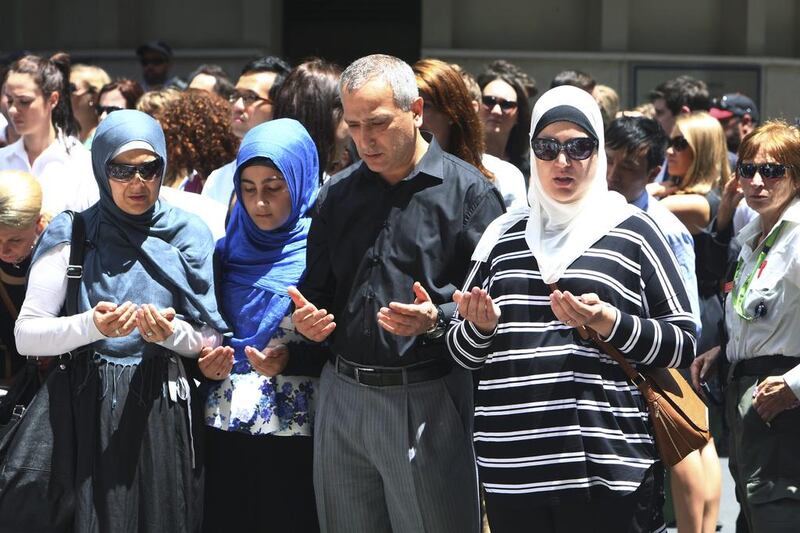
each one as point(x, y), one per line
point(740, 291)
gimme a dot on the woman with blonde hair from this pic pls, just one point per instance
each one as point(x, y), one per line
point(86, 82)
point(21, 223)
point(698, 166)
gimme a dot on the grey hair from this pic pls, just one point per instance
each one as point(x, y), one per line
point(395, 72)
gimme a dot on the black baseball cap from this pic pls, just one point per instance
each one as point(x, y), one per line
point(733, 104)
point(155, 46)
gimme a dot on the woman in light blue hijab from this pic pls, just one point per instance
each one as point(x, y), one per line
point(146, 297)
point(263, 384)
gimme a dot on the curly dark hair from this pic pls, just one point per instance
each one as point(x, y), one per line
point(197, 127)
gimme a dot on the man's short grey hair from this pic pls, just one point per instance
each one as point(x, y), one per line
point(395, 72)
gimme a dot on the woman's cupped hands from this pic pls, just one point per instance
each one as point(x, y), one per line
point(120, 320)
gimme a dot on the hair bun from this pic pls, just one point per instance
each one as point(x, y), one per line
point(63, 61)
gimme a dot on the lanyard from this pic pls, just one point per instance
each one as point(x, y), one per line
point(740, 292)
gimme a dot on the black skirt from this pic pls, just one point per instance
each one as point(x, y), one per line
point(139, 447)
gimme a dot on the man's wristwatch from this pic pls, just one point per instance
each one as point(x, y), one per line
point(438, 328)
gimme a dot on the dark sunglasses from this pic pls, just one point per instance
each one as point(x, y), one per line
point(125, 173)
point(578, 149)
point(679, 143)
point(491, 101)
point(108, 109)
point(765, 170)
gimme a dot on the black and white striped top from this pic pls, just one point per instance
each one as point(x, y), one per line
point(555, 419)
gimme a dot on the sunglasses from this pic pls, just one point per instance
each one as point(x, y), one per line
point(679, 143)
point(248, 98)
point(578, 149)
point(765, 170)
point(107, 109)
point(491, 101)
point(125, 173)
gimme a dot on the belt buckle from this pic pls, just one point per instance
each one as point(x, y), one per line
point(357, 373)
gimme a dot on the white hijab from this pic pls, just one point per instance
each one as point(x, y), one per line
point(558, 233)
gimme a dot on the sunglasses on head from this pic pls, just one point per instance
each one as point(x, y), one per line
point(679, 143)
point(765, 170)
point(107, 109)
point(578, 149)
point(505, 105)
point(125, 173)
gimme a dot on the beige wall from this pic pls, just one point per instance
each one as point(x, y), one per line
point(607, 38)
point(108, 31)
point(603, 37)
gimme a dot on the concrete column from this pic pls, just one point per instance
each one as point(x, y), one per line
point(756, 28)
point(614, 22)
point(437, 24)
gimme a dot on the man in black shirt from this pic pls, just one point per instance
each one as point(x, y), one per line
point(390, 244)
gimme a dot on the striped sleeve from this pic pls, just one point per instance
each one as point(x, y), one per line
point(468, 346)
point(666, 337)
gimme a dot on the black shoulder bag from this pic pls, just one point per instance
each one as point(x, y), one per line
point(37, 442)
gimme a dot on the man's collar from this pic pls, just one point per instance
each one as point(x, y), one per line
point(642, 201)
point(432, 162)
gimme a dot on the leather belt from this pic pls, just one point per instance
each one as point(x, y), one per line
point(382, 376)
point(765, 365)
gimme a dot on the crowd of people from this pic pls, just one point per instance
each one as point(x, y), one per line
point(350, 300)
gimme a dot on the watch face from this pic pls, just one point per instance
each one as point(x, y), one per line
point(436, 333)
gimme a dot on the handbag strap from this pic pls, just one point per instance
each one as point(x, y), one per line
point(588, 333)
point(75, 267)
point(12, 309)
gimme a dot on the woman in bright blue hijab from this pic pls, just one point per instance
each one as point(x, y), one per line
point(263, 383)
point(146, 297)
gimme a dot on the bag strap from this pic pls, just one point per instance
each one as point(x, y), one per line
point(588, 333)
point(75, 267)
point(12, 309)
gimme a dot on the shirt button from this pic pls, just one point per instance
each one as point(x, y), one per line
point(386, 224)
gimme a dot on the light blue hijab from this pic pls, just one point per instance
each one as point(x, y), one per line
point(163, 256)
point(257, 265)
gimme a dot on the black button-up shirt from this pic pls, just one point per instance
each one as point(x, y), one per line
point(370, 242)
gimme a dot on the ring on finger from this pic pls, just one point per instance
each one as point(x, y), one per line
point(148, 333)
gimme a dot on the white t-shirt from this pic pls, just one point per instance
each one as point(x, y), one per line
point(210, 211)
point(742, 216)
point(219, 184)
point(3, 126)
point(64, 170)
point(508, 180)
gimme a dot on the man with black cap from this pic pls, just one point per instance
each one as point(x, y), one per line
point(738, 115)
point(156, 60)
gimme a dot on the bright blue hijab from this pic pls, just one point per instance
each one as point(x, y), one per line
point(163, 256)
point(257, 265)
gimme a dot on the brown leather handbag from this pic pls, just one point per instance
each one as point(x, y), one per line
point(678, 415)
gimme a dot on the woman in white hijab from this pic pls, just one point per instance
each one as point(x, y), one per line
point(562, 437)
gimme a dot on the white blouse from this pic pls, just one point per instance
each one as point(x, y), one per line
point(40, 330)
point(776, 288)
point(64, 170)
